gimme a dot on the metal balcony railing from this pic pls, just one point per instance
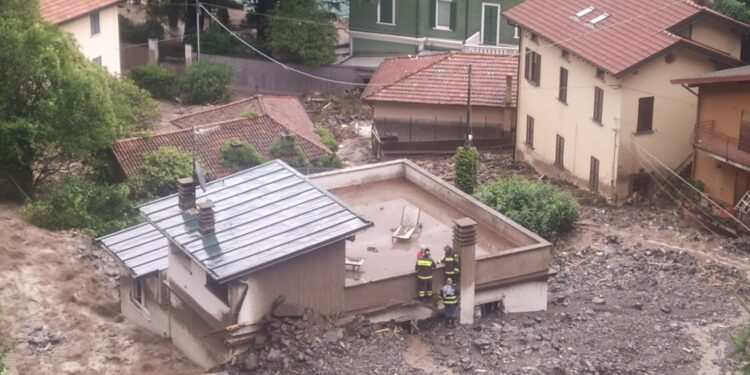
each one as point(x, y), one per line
point(708, 139)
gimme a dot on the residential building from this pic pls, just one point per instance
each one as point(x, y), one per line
point(399, 27)
point(596, 91)
point(722, 133)
point(190, 272)
point(424, 103)
point(258, 120)
point(93, 24)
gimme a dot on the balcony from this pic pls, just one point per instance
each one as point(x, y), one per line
point(708, 139)
point(473, 44)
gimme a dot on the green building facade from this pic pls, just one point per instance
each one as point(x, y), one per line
point(386, 27)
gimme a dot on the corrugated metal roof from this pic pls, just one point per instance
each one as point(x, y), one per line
point(142, 249)
point(740, 74)
point(263, 215)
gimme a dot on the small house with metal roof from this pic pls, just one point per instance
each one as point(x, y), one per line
point(223, 257)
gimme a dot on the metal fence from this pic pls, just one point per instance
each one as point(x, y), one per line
point(413, 130)
point(262, 76)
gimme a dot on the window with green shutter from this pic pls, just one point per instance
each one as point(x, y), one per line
point(443, 14)
point(386, 11)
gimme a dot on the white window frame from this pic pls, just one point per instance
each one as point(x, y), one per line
point(497, 32)
point(393, 15)
point(437, 15)
point(98, 17)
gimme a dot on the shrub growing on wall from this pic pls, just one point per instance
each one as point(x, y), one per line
point(160, 170)
point(327, 137)
point(539, 206)
point(161, 82)
point(288, 149)
point(466, 168)
point(205, 83)
point(236, 155)
point(329, 161)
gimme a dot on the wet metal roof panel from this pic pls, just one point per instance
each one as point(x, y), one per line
point(142, 249)
point(263, 215)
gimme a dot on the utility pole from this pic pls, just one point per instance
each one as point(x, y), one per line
point(198, 26)
point(468, 111)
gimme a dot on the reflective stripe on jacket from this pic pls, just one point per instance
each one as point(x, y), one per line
point(424, 268)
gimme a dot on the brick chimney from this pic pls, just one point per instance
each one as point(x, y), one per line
point(206, 219)
point(464, 242)
point(186, 193)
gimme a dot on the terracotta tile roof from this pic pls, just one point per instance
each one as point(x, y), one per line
point(286, 110)
point(442, 79)
point(261, 132)
point(741, 74)
point(59, 11)
point(633, 32)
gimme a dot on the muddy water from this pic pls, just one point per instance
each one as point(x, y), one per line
point(417, 355)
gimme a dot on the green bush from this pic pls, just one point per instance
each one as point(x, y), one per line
point(161, 82)
point(138, 33)
point(73, 203)
point(236, 155)
point(466, 169)
point(216, 41)
point(205, 83)
point(539, 206)
point(249, 114)
point(136, 110)
point(329, 161)
point(160, 170)
point(327, 137)
point(288, 149)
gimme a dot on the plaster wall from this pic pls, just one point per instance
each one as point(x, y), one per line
point(151, 314)
point(573, 120)
point(105, 44)
point(716, 35)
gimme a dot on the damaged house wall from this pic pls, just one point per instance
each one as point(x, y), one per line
point(152, 311)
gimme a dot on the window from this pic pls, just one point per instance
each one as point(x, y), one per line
point(559, 151)
point(645, 115)
point(387, 12)
point(221, 291)
point(598, 104)
point(97, 60)
point(533, 67)
point(443, 10)
point(565, 55)
point(562, 94)
point(594, 174)
point(744, 144)
point(530, 131)
point(94, 23)
point(136, 291)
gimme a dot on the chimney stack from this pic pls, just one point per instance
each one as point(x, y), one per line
point(206, 219)
point(464, 242)
point(508, 90)
point(186, 193)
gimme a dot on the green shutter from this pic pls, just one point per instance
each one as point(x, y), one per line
point(433, 6)
point(386, 11)
point(453, 14)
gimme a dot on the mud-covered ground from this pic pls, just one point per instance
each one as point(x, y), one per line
point(60, 306)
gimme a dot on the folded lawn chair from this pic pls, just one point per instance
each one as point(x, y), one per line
point(409, 223)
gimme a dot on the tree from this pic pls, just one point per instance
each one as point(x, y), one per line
point(466, 169)
point(737, 9)
point(237, 155)
point(56, 107)
point(160, 170)
point(300, 31)
point(288, 149)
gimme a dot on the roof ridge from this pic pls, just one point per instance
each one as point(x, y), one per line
point(216, 108)
point(445, 55)
point(172, 132)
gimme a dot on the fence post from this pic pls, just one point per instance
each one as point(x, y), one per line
point(435, 126)
point(410, 137)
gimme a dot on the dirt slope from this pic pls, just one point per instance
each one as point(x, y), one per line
point(48, 289)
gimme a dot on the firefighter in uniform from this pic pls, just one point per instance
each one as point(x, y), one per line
point(425, 266)
point(451, 263)
point(449, 295)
